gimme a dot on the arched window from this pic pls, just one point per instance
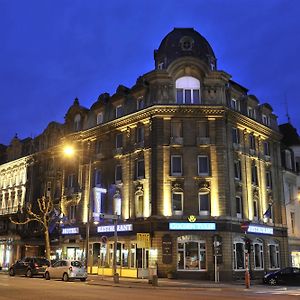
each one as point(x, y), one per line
point(117, 203)
point(77, 121)
point(239, 254)
point(187, 90)
point(273, 249)
point(139, 204)
point(258, 254)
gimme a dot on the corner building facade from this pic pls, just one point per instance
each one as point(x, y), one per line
point(190, 158)
point(186, 157)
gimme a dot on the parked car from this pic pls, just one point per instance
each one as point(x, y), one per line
point(29, 266)
point(66, 269)
point(288, 276)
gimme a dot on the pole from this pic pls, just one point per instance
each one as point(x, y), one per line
point(115, 274)
point(216, 269)
point(247, 275)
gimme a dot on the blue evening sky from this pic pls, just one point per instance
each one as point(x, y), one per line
point(52, 51)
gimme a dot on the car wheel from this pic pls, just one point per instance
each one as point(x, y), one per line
point(82, 279)
point(29, 273)
point(272, 281)
point(11, 272)
point(65, 277)
point(47, 276)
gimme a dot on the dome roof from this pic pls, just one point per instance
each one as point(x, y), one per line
point(183, 42)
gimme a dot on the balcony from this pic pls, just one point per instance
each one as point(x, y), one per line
point(203, 140)
point(139, 145)
point(118, 151)
point(176, 140)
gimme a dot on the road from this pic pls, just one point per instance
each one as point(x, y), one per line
point(23, 288)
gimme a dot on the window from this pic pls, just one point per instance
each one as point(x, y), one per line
point(191, 254)
point(266, 148)
point(139, 134)
point(255, 209)
point(98, 147)
point(203, 129)
point(119, 111)
point(239, 207)
point(288, 159)
point(176, 129)
point(139, 205)
point(117, 204)
point(235, 136)
point(265, 119)
point(251, 142)
point(258, 255)
point(274, 256)
point(118, 174)
point(203, 165)
point(239, 255)
point(97, 175)
point(177, 203)
point(237, 170)
point(140, 103)
point(293, 222)
point(72, 212)
point(254, 178)
point(119, 141)
point(235, 104)
point(187, 90)
point(269, 179)
point(176, 165)
point(71, 180)
point(140, 169)
point(204, 203)
point(290, 190)
point(77, 122)
point(100, 118)
point(251, 112)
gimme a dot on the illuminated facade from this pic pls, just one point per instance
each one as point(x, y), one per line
point(186, 155)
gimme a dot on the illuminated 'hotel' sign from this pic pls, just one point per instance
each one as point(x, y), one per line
point(260, 229)
point(111, 228)
point(70, 230)
point(192, 226)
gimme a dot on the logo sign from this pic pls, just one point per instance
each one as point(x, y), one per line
point(192, 226)
point(111, 228)
point(143, 240)
point(260, 229)
point(192, 219)
point(70, 230)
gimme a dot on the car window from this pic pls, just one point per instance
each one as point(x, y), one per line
point(64, 263)
point(57, 264)
point(297, 270)
point(42, 261)
point(287, 271)
point(27, 259)
point(76, 264)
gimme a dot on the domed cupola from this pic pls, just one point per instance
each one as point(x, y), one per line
point(184, 42)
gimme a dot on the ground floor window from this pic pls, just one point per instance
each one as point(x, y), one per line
point(191, 253)
point(239, 255)
point(274, 256)
point(258, 255)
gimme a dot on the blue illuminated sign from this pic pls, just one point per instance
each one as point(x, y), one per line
point(260, 229)
point(192, 226)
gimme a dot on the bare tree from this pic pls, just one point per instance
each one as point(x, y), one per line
point(42, 216)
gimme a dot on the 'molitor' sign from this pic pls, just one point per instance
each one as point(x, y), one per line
point(167, 249)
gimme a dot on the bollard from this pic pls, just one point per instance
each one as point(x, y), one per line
point(116, 278)
point(154, 280)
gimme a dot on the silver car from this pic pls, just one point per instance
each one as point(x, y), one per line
point(66, 269)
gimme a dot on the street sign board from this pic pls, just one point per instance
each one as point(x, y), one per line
point(143, 240)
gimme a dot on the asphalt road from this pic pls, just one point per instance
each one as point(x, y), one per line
point(37, 288)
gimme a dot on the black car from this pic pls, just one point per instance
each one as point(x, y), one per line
point(288, 276)
point(29, 266)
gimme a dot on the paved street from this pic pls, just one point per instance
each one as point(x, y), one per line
point(95, 288)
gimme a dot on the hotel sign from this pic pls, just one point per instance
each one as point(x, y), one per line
point(260, 229)
point(111, 228)
point(70, 230)
point(192, 226)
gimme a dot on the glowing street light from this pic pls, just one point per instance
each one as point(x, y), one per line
point(69, 150)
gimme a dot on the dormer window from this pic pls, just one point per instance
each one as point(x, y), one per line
point(187, 90)
point(251, 112)
point(100, 118)
point(140, 103)
point(119, 111)
point(265, 119)
point(77, 122)
point(235, 104)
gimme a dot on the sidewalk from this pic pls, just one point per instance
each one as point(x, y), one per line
point(166, 283)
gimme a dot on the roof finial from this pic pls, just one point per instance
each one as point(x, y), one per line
point(287, 109)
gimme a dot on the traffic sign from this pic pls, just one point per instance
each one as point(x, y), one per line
point(104, 239)
point(245, 226)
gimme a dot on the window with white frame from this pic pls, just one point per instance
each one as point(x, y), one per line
point(177, 203)
point(239, 206)
point(251, 142)
point(203, 165)
point(97, 175)
point(235, 104)
point(268, 179)
point(72, 212)
point(254, 178)
point(255, 209)
point(191, 253)
point(274, 262)
point(258, 255)
point(204, 203)
point(118, 174)
point(235, 135)
point(77, 122)
point(265, 119)
point(98, 147)
point(176, 165)
point(288, 160)
point(117, 201)
point(119, 141)
point(176, 129)
point(100, 118)
point(239, 255)
point(187, 90)
point(266, 148)
point(139, 204)
point(140, 169)
point(251, 112)
point(237, 170)
point(71, 180)
point(119, 111)
point(139, 134)
point(140, 103)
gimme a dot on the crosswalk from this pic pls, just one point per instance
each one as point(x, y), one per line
point(280, 291)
